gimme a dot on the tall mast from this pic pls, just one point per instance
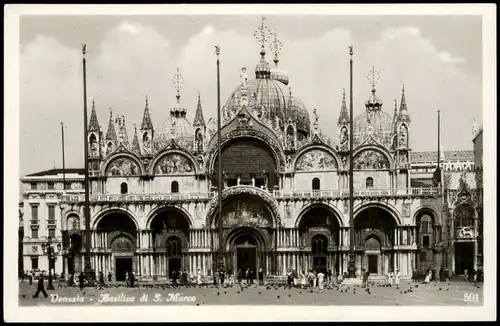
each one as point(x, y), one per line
point(88, 267)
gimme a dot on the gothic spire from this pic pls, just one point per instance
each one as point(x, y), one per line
point(135, 142)
point(146, 118)
point(402, 105)
point(94, 124)
point(344, 116)
point(111, 133)
point(395, 117)
point(198, 117)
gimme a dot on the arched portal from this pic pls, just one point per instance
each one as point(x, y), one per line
point(319, 230)
point(170, 233)
point(246, 248)
point(117, 231)
point(465, 238)
point(427, 234)
point(74, 254)
point(374, 240)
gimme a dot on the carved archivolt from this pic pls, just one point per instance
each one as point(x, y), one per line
point(243, 191)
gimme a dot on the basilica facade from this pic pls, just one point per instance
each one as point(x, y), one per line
point(154, 205)
point(154, 200)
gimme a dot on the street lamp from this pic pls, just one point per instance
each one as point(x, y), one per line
point(49, 250)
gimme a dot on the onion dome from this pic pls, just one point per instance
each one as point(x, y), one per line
point(373, 122)
point(177, 125)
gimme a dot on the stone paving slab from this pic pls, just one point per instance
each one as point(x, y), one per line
point(407, 294)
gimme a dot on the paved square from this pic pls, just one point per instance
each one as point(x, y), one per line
point(434, 295)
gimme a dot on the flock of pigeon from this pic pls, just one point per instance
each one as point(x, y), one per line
point(279, 286)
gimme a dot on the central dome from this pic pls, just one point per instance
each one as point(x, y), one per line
point(272, 94)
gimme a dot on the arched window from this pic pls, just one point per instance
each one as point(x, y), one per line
point(369, 182)
point(426, 231)
point(124, 188)
point(319, 245)
point(316, 184)
point(174, 247)
point(174, 187)
point(464, 216)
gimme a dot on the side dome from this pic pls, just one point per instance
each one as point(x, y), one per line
point(177, 127)
point(299, 114)
point(373, 121)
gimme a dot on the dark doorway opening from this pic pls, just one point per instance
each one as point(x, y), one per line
point(372, 264)
point(464, 257)
point(123, 265)
point(319, 264)
point(174, 265)
point(246, 258)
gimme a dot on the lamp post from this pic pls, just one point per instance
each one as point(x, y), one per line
point(50, 250)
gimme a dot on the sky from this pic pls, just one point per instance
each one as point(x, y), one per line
point(437, 58)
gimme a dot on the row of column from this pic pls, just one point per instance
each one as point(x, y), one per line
point(199, 238)
point(302, 262)
point(288, 238)
point(99, 239)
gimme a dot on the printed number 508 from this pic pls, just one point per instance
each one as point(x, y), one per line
point(471, 297)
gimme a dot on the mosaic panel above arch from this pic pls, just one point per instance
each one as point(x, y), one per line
point(123, 166)
point(246, 212)
point(173, 164)
point(315, 160)
point(370, 160)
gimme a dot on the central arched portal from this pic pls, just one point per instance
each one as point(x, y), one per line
point(374, 240)
point(246, 248)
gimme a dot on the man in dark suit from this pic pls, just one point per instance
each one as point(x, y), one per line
point(40, 287)
point(80, 280)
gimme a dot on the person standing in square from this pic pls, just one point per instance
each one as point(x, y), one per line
point(41, 287)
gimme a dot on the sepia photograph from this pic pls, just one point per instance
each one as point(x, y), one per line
point(249, 163)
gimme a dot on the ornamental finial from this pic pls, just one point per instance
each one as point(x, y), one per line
point(261, 35)
point(178, 81)
point(373, 76)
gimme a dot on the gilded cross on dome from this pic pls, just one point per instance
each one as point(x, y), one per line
point(373, 76)
point(262, 32)
point(276, 45)
point(178, 81)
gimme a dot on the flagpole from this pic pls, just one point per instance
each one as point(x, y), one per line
point(352, 262)
point(63, 158)
point(88, 267)
point(439, 142)
point(219, 176)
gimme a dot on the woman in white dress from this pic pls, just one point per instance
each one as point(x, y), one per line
point(391, 276)
point(427, 278)
point(303, 280)
point(321, 281)
point(396, 279)
point(198, 277)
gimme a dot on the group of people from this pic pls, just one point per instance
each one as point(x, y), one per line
point(181, 276)
point(393, 278)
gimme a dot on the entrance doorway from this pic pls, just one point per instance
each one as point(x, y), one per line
point(174, 265)
point(373, 264)
point(319, 264)
point(464, 257)
point(122, 266)
point(246, 258)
